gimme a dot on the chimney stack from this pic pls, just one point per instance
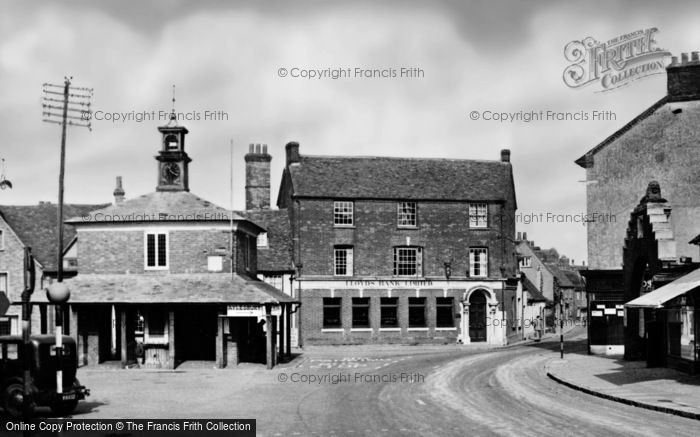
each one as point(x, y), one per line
point(118, 191)
point(683, 78)
point(519, 236)
point(292, 149)
point(257, 177)
point(505, 155)
point(524, 236)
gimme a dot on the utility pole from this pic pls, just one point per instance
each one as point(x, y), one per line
point(74, 100)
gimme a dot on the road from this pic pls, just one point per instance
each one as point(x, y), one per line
point(411, 391)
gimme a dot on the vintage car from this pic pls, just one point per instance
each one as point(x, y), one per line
point(42, 371)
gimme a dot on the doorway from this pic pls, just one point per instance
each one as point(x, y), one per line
point(195, 334)
point(477, 316)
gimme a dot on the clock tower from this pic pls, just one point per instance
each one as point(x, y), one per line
point(172, 159)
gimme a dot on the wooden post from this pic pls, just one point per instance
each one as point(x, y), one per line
point(280, 340)
point(73, 325)
point(288, 332)
point(269, 338)
point(220, 342)
point(122, 327)
point(171, 340)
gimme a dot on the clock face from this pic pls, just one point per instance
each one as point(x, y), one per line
point(171, 172)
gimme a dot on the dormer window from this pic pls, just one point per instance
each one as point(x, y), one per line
point(171, 142)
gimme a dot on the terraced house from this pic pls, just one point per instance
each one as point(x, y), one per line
point(401, 250)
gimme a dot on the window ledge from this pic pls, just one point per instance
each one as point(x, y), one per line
point(407, 227)
point(361, 329)
point(332, 330)
point(418, 329)
point(343, 226)
point(390, 329)
point(446, 329)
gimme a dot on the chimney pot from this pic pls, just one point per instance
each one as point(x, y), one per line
point(505, 155)
point(684, 58)
point(251, 147)
point(118, 191)
point(519, 237)
point(525, 236)
point(264, 149)
point(292, 149)
point(695, 57)
point(674, 60)
point(683, 79)
point(257, 149)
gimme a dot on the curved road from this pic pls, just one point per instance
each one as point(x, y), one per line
point(502, 392)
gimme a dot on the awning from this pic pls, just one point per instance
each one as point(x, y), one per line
point(658, 297)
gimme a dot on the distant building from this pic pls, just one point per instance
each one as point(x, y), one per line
point(401, 250)
point(34, 226)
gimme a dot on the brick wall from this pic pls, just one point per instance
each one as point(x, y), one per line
point(115, 252)
point(312, 317)
point(442, 231)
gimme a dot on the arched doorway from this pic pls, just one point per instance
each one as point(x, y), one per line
point(477, 316)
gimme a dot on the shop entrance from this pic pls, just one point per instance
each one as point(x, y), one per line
point(247, 335)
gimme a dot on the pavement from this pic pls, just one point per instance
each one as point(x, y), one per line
point(629, 382)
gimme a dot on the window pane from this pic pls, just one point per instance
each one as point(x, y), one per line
point(343, 261)
point(407, 261)
point(343, 213)
point(389, 312)
point(156, 323)
point(161, 251)
point(331, 312)
point(407, 214)
point(416, 312)
point(478, 262)
point(478, 215)
point(360, 312)
point(444, 312)
point(150, 250)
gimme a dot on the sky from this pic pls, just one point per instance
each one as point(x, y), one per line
point(472, 57)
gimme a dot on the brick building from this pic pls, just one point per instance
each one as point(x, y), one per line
point(33, 226)
point(401, 250)
point(661, 144)
point(168, 277)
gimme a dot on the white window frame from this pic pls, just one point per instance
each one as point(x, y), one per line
point(262, 241)
point(478, 215)
point(349, 260)
point(483, 262)
point(418, 261)
point(340, 209)
point(403, 214)
point(525, 262)
point(145, 250)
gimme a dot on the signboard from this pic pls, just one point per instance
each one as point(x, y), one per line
point(596, 313)
point(251, 310)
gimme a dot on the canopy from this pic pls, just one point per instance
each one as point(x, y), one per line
point(658, 297)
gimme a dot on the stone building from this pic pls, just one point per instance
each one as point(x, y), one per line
point(401, 250)
point(661, 144)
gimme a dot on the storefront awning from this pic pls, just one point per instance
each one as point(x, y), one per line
point(658, 297)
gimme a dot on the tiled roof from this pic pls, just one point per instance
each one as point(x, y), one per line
point(169, 288)
point(562, 278)
point(36, 226)
point(575, 278)
point(277, 256)
point(159, 206)
point(402, 178)
point(535, 294)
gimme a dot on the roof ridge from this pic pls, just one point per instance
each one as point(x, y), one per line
point(403, 158)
